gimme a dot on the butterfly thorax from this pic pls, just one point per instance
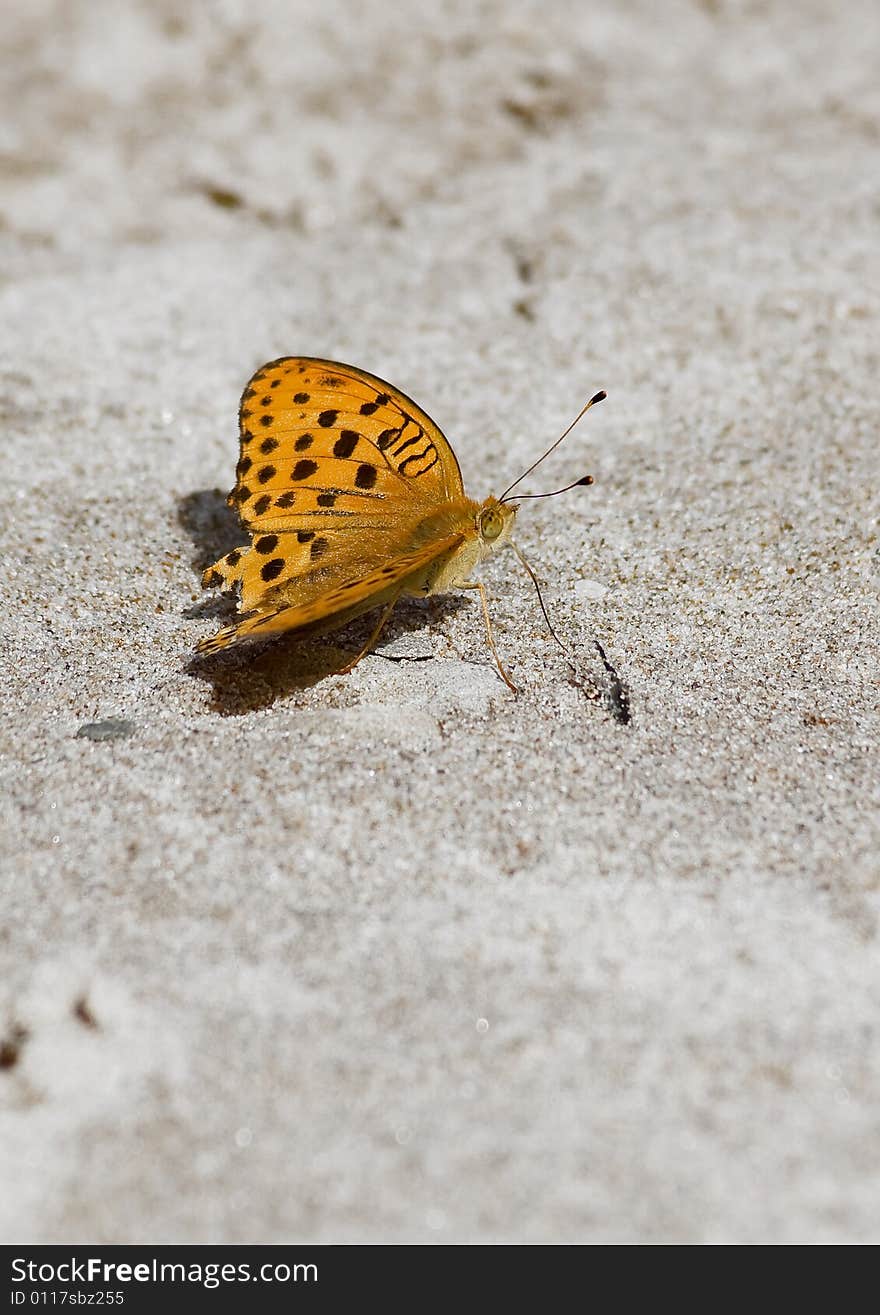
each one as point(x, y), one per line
point(458, 516)
point(477, 530)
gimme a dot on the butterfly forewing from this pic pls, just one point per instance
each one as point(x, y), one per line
point(327, 443)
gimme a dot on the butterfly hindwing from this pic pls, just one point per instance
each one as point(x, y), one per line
point(402, 573)
point(275, 560)
point(304, 563)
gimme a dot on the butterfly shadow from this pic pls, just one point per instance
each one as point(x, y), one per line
point(255, 675)
point(214, 530)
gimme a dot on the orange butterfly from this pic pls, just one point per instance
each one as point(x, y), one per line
point(352, 497)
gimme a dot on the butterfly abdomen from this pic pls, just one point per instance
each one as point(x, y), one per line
point(276, 615)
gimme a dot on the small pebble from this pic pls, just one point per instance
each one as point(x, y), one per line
point(111, 729)
point(590, 589)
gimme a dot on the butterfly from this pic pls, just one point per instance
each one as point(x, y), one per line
point(352, 498)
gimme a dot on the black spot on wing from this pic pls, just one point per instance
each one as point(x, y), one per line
point(346, 443)
point(303, 469)
point(272, 570)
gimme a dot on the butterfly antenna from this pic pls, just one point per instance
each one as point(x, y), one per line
point(597, 397)
point(616, 695)
point(585, 479)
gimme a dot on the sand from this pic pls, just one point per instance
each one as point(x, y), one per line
point(398, 956)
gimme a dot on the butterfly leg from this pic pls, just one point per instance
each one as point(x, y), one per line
point(386, 612)
point(476, 584)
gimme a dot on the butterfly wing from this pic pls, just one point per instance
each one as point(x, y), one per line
point(318, 436)
point(342, 602)
point(337, 472)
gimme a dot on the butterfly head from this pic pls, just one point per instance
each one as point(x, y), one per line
point(494, 523)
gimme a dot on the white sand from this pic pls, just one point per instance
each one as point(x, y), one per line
point(396, 956)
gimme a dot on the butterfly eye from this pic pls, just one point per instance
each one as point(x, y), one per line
point(491, 523)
